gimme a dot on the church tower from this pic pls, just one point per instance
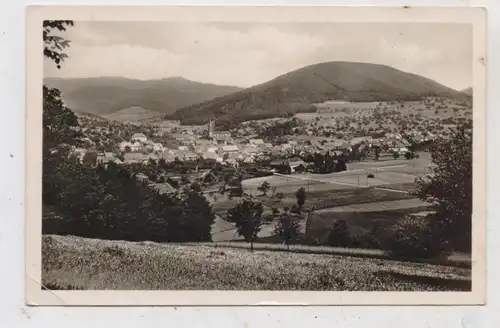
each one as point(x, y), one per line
point(210, 128)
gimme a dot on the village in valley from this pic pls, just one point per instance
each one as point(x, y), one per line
point(378, 144)
point(331, 176)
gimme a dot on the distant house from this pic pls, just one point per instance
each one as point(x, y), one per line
point(170, 123)
point(139, 137)
point(296, 164)
point(108, 157)
point(221, 137)
point(230, 148)
point(136, 146)
point(163, 188)
point(266, 146)
point(212, 149)
point(168, 156)
point(251, 151)
point(123, 145)
point(79, 152)
point(281, 165)
point(256, 141)
point(130, 158)
point(158, 147)
point(184, 148)
point(212, 155)
point(207, 177)
point(186, 155)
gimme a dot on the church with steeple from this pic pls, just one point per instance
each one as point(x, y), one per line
point(218, 137)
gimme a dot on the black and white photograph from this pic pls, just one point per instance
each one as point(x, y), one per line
point(257, 155)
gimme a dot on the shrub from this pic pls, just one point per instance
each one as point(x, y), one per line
point(410, 238)
point(339, 235)
point(409, 155)
point(371, 176)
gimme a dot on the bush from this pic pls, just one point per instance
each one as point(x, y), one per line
point(339, 235)
point(410, 238)
point(371, 176)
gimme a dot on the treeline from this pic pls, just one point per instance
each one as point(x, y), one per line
point(112, 203)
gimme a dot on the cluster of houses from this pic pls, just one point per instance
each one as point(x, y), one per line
point(138, 143)
point(223, 147)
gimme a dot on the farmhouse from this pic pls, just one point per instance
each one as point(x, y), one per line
point(296, 164)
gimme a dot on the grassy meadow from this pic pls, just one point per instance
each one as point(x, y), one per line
point(91, 264)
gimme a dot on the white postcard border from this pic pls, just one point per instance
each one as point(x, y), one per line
point(34, 77)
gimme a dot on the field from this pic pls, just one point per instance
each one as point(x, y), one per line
point(349, 195)
point(79, 263)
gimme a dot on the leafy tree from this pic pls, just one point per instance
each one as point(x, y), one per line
point(409, 155)
point(54, 44)
point(60, 124)
point(301, 198)
point(247, 217)
point(339, 235)
point(264, 187)
point(449, 188)
point(288, 228)
point(90, 158)
point(319, 162)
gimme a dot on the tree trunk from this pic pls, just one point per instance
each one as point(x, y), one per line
point(251, 246)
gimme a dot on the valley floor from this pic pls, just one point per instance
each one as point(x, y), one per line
point(79, 263)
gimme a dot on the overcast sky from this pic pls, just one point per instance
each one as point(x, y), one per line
point(245, 54)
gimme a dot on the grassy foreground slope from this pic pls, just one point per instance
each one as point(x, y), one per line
point(79, 263)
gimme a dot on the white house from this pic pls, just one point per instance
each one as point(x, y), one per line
point(256, 141)
point(212, 155)
point(230, 149)
point(158, 147)
point(136, 146)
point(124, 144)
point(139, 137)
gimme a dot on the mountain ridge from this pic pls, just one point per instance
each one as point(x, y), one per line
point(109, 94)
point(298, 90)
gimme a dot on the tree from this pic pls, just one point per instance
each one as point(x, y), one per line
point(395, 155)
point(449, 188)
point(319, 162)
point(247, 217)
point(339, 235)
point(377, 152)
point(301, 198)
point(53, 44)
point(409, 155)
point(264, 187)
point(90, 158)
point(288, 228)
